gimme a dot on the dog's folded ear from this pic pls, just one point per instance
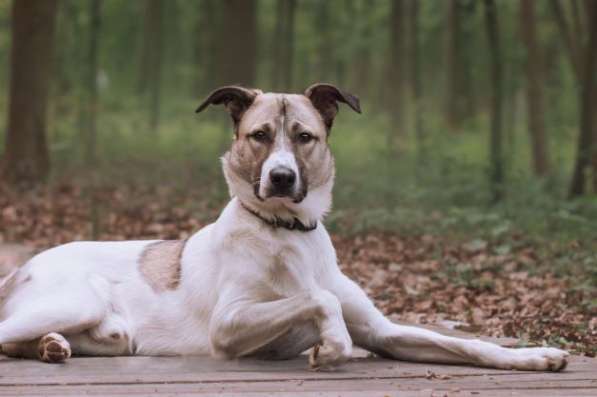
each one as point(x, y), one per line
point(325, 98)
point(236, 99)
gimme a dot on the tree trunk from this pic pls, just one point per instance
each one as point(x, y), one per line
point(495, 148)
point(325, 48)
point(396, 72)
point(26, 158)
point(151, 59)
point(288, 44)
point(467, 83)
point(577, 23)
point(238, 43)
point(454, 69)
point(415, 78)
point(206, 48)
point(361, 79)
point(276, 71)
point(586, 143)
point(283, 57)
point(534, 88)
point(571, 44)
point(92, 59)
point(593, 106)
point(146, 48)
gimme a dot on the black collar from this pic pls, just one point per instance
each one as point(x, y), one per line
point(276, 223)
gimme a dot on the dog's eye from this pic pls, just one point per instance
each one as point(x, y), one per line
point(305, 137)
point(259, 136)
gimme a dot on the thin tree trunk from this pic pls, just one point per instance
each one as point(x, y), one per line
point(416, 82)
point(496, 155)
point(92, 59)
point(278, 43)
point(594, 128)
point(577, 23)
point(454, 69)
point(283, 57)
point(325, 48)
point(362, 70)
point(155, 65)
point(586, 143)
point(26, 158)
point(571, 44)
point(534, 88)
point(396, 73)
point(238, 43)
point(206, 48)
point(289, 44)
point(467, 82)
point(146, 49)
point(92, 106)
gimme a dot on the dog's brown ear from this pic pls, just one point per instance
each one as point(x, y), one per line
point(325, 98)
point(236, 99)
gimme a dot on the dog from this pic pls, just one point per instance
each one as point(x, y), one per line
point(261, 281)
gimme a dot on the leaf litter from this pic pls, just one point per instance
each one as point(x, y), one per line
point(489, 289)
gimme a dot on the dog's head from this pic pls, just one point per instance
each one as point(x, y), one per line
point(280, 163)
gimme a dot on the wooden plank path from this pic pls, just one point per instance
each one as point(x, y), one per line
point(203, 376)
point(363, 376)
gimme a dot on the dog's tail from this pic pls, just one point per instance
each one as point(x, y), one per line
point(7, 284)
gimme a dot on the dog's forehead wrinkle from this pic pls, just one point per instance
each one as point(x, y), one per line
point(300, 110)
point(283, 105)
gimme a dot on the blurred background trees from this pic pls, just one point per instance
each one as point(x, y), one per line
point(26, 156)
point(466, 102)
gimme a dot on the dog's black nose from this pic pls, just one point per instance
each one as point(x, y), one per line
point(282, 178)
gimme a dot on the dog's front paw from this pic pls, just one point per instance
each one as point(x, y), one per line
point(540, 359)
point(329, 355)
point(53, 348)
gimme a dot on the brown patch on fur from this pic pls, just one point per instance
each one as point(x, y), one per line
point(159, 264)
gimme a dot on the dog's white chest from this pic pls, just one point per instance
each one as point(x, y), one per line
point(288, 273)
point(297, 263)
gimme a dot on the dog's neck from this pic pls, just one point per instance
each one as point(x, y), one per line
point(278, 223)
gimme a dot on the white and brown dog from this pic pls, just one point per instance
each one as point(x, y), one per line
point(261, 281)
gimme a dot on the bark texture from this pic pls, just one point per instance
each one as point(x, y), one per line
point(238, 43)
point(586, 140)
point(26, 159)
point(534, 89)
point(496, 177)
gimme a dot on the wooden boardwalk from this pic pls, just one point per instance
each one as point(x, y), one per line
point(360, 377)
point(204, 376)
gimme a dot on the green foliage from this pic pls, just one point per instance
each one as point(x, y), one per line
point(440, 187)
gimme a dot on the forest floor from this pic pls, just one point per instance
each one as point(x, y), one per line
point(512, 287)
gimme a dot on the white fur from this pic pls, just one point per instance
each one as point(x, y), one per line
point(239, 276)
point(245, 288)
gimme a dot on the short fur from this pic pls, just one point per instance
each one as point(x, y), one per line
point(240, 286)
point(159, 264)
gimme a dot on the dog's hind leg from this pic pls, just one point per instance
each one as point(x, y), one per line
point(35, 310)
point(111, 337)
